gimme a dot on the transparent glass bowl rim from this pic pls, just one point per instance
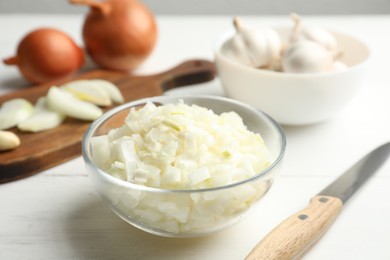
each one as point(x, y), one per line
point(96, 124)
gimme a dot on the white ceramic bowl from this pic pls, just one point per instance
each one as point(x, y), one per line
point(290, 98)
point(206, 211)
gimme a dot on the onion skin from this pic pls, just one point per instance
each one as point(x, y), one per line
point(46, 54)
point(118, 34)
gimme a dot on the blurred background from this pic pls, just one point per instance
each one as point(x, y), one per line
point(223, 7)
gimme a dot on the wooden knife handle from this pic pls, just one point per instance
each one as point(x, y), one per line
point(298, 233)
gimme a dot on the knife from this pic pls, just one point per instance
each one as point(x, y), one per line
point(297, 234)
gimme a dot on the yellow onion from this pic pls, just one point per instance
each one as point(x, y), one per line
point(118, 34)
point(47, 54)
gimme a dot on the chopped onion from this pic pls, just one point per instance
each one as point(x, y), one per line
point(190, 141)
point(177, 146)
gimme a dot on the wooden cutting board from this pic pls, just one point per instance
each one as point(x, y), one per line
point(43, 150)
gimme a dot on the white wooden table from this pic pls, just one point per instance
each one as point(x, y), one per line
point(56, 214)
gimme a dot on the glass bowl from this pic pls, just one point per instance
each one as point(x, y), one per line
point(186, 213)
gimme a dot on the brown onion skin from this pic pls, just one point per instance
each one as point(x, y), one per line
point(47, 54)
point(121, 36)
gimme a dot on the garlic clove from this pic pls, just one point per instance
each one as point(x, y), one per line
point(42, 118)
point(259, 47)
point(88, 91)
point(321, 36)
point(65, 103)
point(313, 33)
point(14, 111)
point(8, 140)
point(307, 57)
point(235, 50)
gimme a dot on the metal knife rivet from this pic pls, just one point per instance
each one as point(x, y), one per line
point(323, 200)
point(302, 216)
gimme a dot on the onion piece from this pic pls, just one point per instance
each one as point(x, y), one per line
point(65, 103)
point(42, 118)
point(98, 91)
point(113, 91)
point(100, 153)
point(83, 90)
point(14, 111)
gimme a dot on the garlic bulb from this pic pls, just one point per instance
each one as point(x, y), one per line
point(307, 57)
point(257, 47)
point(312, 33)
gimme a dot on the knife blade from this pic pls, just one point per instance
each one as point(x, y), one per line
point(298, 233)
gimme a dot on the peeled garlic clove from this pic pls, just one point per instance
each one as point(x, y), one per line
point(65, 103)
point(42, 118)
point(313, 33)
point(113, 91)
point(8, 140)
point(14, 111)
point(259, 46)
point(306, 57)
point(88, 91)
